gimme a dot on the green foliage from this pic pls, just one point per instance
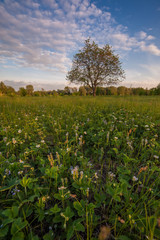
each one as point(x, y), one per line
point(71, 165)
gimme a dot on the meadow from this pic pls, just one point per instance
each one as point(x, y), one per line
point(80, 168)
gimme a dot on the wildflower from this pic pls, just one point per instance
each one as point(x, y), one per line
point(121, 220)
point(14, 191)
point(8, 172)
point(96, 176)
point(156, 157)
point(62, 188)
point(68, 149)
point(50, 228)
point(19, 131)
point(116, 138)
point(38, 146)
point(5, 139)
point(20, 172)
point(142, 169)
point(75, 172)
point(134, 179)
point(87, 192)
point(73, 195)
point(85, 132)
point(111, 175)
point(21, 161)
point(14, 141)
point(104, 233)
point(42, 141)
point(44, 199)
point(36, 118)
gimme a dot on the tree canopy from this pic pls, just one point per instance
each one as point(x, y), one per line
point(94, 66)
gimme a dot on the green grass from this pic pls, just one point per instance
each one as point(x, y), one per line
point(70, 165)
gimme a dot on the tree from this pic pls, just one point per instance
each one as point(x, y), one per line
point(95, 66)
point(29, 89)
point(22, 91)
point(3, 88)
point(82, 91)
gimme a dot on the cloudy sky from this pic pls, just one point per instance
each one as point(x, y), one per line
point(39, 38)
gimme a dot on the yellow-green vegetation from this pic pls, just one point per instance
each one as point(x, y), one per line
point(72, 167)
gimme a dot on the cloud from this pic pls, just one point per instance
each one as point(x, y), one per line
point(146, 77)
point(45, 34)
point(151, 48)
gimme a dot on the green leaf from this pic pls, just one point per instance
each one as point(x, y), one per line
point(7, 213)
point(7, 221)
point(115, 150)
point(57, 219)
point(32, 198)
point(15, 211)
point(70, 233)
point(18, 236)
point(90, 206)
point(79, 227)
point(18, 225)
point(57, 196)
point(78, 206)
point(68, 212)
point(111, 191)
point(48, 236)
point(55, 209)
point(99, 197)
point(12, 183)
point(4, 231)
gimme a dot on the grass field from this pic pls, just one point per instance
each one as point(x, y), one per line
point(80, 168)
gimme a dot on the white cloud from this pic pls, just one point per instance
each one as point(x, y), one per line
point(142, 35)
point(43, 34)
point(150, 37)
point(151, 48)
point(146, 77)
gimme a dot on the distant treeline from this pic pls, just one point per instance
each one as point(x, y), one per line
point(81, 91)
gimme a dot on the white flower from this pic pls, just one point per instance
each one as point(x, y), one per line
point(155, 156)
point(116, 138)
point(19, 131)
point(5, 139)
point(111, 175)
point(62, 188)
point(134, 179)
point(38, 146)
point(42, 141)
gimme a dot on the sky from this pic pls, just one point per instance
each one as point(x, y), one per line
point(38, 39)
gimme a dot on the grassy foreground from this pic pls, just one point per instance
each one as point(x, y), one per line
point(80, 168)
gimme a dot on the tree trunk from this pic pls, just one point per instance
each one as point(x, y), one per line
point(94, 91)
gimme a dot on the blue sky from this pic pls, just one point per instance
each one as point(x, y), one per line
point(39, 38)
